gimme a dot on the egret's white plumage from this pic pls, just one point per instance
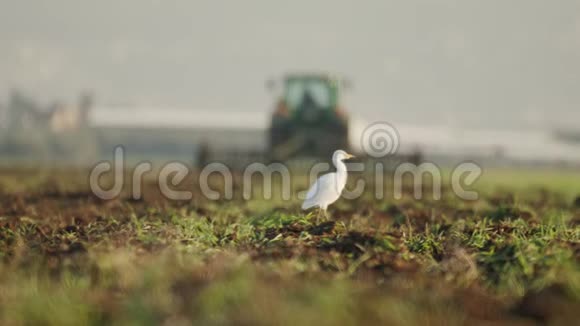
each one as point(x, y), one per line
point(327, 189)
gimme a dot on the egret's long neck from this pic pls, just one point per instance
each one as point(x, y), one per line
point(340, 168)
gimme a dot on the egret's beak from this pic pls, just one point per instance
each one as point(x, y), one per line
point(348, 156)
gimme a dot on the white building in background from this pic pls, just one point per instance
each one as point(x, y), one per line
point(177, 117)
point(221, 130)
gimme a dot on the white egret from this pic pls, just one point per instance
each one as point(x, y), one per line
point(327, 189)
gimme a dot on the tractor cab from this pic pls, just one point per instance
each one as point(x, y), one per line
point(308, 120)
point(310, 98)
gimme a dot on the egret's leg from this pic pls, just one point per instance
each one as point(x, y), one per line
point(318, 215)
point(325, 214)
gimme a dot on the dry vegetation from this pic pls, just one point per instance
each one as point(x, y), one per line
point(512, 257)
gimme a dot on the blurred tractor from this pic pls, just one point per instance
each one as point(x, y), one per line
point(308, 120)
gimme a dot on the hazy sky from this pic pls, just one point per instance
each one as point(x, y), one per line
point(477, 62)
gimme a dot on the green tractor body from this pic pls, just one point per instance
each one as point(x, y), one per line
point(308, 120)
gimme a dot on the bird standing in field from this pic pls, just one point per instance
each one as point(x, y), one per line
point(327, 189)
